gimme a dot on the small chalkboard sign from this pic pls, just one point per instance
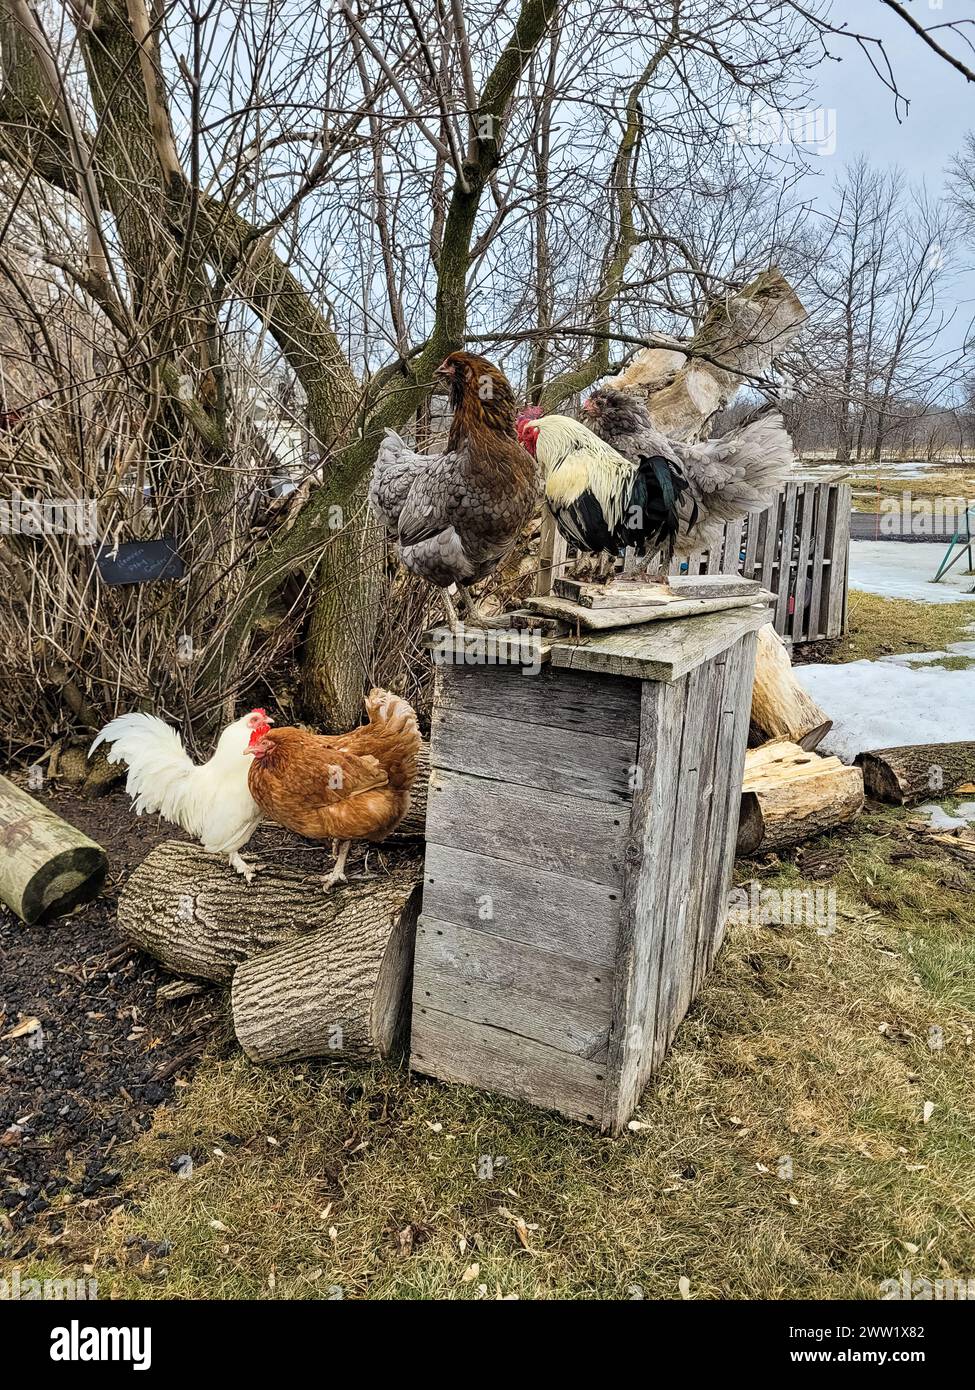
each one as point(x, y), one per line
point(138, 562)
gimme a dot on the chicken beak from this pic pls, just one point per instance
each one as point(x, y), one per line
point(445, 369)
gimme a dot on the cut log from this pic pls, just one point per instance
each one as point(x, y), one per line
point(744, 332)
point(913, 772)
point(198, 917)
point(781, 708)
point(791, 794)
point(47, 867)
point(342, 991)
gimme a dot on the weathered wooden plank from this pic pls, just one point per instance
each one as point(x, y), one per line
point(799, 624)
point(552, 551)
point(625, 593)
point(814, 623)
point(731, 556)
point(532, 755)
point(785, 556)
point(544, 995)
point(701, 872)
point(661, 651)
point(723, 826)
point(618, 593)
point(839, 562)
point(769, 544)
point(680, 870)
point(556, 833)
point(556, 700)
point(753, 525)
point(540, 908)
point(607, 619)
point(644, 895)
point(475, 1054)
point(715, 586)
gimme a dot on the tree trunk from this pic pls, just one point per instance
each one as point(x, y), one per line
point(198, 917)
point(350, 587)
point(914, 771)
point(797, 795)
point(47, 866)
point(781, 708)
point(342, 993)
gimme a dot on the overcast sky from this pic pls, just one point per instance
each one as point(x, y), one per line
point(942, 108)
point(942, 103)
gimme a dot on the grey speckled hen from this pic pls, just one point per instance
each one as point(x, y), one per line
point(457, 515)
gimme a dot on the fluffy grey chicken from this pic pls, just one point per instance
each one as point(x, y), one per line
point(457, 515)
point(726, 478)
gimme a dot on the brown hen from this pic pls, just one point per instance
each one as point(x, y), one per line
point(339, 787)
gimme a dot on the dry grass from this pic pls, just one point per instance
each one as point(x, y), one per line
point(870, 489)
point(882, 626)
point(317, 1182)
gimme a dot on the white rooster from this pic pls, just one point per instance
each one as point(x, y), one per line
point(210, 800)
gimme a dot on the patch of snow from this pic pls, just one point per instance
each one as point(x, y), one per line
point(961, 649)
point(905, 569)
point(874, 704)
point(939, 818)
point(905, 658)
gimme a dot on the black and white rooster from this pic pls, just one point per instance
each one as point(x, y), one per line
point(623, 483)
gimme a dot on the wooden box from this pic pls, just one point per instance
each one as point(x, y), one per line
point(581, 833)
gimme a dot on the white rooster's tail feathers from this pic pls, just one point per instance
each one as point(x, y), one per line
point(210, 800)
point(159, 765)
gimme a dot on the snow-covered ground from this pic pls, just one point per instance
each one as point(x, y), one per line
point(879, 704)
point(904, 569)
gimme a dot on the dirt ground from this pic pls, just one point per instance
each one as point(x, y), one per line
point(106, 1055)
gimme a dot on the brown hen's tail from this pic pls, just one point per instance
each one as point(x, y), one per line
point(392, 722)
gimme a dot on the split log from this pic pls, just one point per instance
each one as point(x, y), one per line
point(341, 991)
point(198, 917)
point(47, 867)
point(739, 337)
point(790, 794)
point(914, 772)
point(781, 708)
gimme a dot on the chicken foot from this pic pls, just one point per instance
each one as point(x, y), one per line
point(243, 868)
point(475, 616)
point(338, 869)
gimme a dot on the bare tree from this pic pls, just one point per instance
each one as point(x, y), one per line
point(332, 199)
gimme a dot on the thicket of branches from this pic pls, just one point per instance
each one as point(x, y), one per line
point(218, 204)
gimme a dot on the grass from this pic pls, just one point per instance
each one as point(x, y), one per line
point(871, 488)
point(884, 626)
point(321, 1181)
